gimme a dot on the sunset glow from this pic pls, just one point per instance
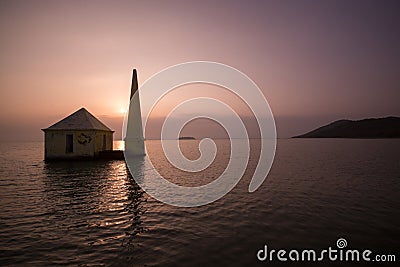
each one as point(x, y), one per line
point(313, 67)
point(199, 133)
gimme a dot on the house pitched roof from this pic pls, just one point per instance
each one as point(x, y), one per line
point(79, 120)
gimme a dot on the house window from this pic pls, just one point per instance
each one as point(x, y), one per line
point(104, 142)
point(69, 143)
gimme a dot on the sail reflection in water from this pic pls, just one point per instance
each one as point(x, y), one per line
point(93, 206)
point(94, 214)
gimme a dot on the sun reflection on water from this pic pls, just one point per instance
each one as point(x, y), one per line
point(93, 204)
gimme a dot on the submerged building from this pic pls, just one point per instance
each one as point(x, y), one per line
point(80, 135)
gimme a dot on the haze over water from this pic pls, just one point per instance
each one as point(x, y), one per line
point(314, 61)
point(93, 213)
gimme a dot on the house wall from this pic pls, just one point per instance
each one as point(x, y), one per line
point(98, 144)
point(86, 143)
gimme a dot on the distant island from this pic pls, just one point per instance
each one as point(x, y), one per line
point(388, 127)
point(187, 138)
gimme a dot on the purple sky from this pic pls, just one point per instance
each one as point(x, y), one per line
point(315, 61)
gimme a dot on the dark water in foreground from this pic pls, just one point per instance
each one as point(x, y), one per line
point(93, 213)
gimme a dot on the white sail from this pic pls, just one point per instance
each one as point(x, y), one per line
point(134, 141)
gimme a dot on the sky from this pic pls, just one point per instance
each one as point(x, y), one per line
point(315, 61)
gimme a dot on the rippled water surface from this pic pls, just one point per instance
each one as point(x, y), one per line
point(93, 213)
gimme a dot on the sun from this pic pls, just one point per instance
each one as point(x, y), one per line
point(121, 110)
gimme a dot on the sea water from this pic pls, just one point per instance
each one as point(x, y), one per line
point(94, 214)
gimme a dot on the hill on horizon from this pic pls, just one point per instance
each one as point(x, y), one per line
point(388, 127)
